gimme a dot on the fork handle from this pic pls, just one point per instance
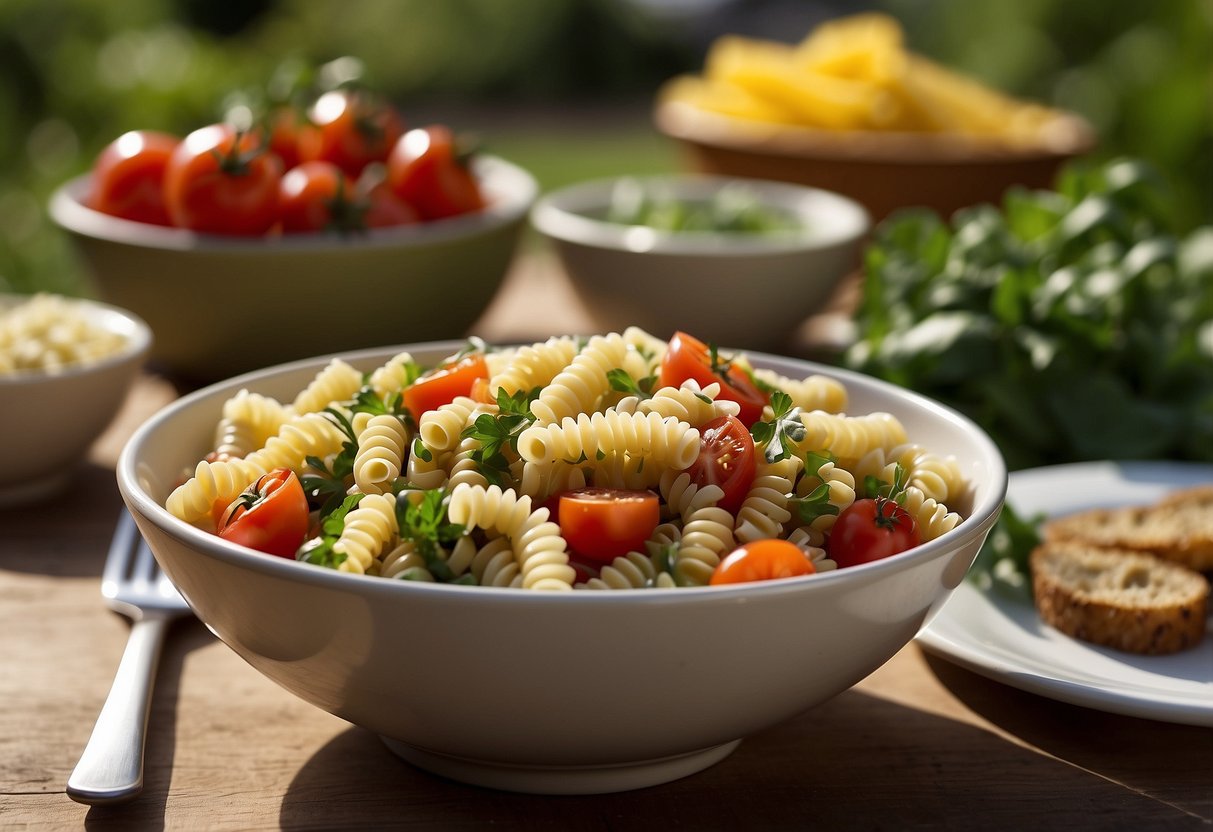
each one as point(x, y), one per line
point(111, 768)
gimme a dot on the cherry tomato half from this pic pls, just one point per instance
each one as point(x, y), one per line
point(727, 458)
point(222, 181)
point(871, 529)
point(687, 357)
point(425, 171)
point(442, 385)
point(128, 177)
point(270, 516)
point(762, 560)
point(600, 524)
point(351, 129)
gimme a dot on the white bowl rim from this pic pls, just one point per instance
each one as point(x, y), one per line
point(512, 191)
point(138, 340)
point(979, 519)
point(560, 215)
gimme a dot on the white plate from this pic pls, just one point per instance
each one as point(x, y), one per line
point(1001, 637)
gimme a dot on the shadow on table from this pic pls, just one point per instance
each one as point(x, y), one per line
point(905, 768)
point(45, 537)
point(147, 812)
point(1169, 762)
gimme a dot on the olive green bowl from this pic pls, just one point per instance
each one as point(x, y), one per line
point(221, 305)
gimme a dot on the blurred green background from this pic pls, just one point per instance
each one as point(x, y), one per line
point(562, 87)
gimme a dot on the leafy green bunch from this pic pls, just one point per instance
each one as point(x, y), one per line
point(1072, 324)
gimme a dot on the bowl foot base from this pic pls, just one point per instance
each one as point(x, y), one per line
point(563, 779)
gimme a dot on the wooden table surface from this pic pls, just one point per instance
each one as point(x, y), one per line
point(918, 744)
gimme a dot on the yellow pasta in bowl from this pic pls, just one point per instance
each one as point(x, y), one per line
point(483, 551)
point(852, 108)
point(55, 354)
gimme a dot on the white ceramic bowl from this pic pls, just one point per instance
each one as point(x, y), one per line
point(221, 305)
point(48, 420)
point(555, 692)
point(749, 290)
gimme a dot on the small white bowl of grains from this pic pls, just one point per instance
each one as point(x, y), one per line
point(66, 366)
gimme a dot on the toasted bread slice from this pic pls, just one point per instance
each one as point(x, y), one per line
point(1178, 528)
point(1119, 598)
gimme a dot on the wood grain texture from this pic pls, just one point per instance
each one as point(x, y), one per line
point(920, 744)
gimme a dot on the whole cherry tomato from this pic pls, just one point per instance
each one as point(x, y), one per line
point(284, 123)
point(871, 529)
point(222, 181)
point(601, 524)
point(727, 458)
point(425, 171)
point(128, 177)
point(386, 210)
point(686, 357)
point(762, 560)
point(270, 516)
point(443, 384)
point(317, 196)
point(351, 129)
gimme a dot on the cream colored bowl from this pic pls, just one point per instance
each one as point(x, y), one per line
point(555, 692)
point(48, 421)
point(753, 291)
point(220, 305)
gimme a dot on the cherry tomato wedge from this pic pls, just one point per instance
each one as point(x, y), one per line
point(727, 458)
point(443, 385)
point(687, 357)
point(222, 181)
point(871, 529)
point(270, 516)
point(762, 560)
point(128, 177)
point(426, 171)
point(600, 524)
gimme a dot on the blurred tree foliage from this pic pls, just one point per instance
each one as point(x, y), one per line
point(1142, 73)
point(74, 74)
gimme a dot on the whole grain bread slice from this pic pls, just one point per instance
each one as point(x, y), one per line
point(1119, 598)
point(1178, 528)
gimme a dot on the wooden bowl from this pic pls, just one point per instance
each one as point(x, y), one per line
point(883, 171)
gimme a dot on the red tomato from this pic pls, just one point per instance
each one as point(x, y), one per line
point(222, 182)
point(425, 171)
point(271, 516)
point(284, 125)
point(317, 196)
point(727, 458)
point(443, 385)
point(687, 357)
point(128, 177)
point(481, 391)
point(385, 210)
point(600, 524)
point(762, 560)
point(871, 529)
point(351, 129)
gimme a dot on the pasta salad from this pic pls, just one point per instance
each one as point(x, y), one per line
point(620, 461)
point(49, 333)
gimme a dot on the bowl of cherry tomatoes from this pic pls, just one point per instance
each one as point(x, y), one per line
point(336, 228)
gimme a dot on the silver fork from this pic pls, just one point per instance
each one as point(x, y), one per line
point(111, 768)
